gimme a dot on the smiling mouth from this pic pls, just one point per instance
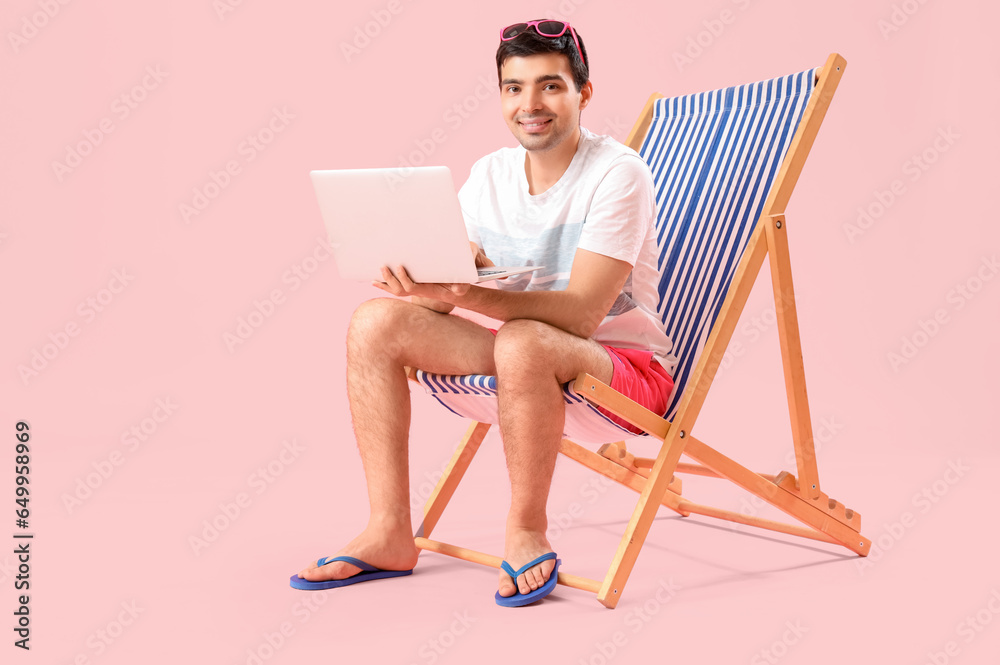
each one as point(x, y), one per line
point(535, 124)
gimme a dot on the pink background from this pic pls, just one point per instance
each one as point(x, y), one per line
point(891, 433)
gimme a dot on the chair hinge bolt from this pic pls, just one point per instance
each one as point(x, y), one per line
point(682, 434)
point(777, 224)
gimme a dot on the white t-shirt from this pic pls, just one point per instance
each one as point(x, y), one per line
point(603, 203)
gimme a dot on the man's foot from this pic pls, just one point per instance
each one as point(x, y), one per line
point(383, 549)
point(522, 546)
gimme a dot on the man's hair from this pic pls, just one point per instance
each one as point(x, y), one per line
point(530, 42)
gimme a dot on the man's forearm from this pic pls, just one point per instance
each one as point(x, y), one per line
point(563, 309)
point(596, 282)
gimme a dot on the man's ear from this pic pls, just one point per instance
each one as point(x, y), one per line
point(586, 93)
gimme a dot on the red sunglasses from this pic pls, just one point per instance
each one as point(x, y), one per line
point(545, 28)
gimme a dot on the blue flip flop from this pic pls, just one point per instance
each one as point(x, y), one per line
point(368, 572)
point(519, 599)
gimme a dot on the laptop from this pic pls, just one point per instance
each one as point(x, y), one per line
point(399, 216)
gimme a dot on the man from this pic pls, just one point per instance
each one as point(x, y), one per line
point(577, 203)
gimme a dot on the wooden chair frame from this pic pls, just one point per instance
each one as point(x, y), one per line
point(654, 479)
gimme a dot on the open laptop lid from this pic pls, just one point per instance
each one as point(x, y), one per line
point(389, 217)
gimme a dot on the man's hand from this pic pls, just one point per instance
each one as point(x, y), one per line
point(397, 287)
point(438, 297)
point(482, 261)
point(399, 284)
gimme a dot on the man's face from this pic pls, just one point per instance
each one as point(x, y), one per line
point(539, 101)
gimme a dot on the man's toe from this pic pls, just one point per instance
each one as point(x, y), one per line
point(507, 588)
point(538, 577)
point(529, 581)
point(542, 573)
point(337, 570)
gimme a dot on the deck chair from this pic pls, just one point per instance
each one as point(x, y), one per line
point(724, 164)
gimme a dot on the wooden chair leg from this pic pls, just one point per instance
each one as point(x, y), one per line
point(452, 476)
point(791, 353)
point(642, 518)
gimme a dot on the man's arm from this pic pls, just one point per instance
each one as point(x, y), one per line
point(594, 284)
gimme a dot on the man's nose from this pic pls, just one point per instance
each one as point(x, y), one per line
point(530, 102)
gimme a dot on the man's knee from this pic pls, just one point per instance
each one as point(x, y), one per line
point(377, 321)
point(524, 344)
point(375, 313)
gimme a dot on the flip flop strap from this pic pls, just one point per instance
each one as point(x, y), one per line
point(348, 559)
point(507, 568)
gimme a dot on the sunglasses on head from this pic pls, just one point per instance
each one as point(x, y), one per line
point(545, 28)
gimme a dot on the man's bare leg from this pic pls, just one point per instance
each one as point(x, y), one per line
point(533, 360)
point(385, 336)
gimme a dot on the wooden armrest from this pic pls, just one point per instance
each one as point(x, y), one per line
point(602, 394)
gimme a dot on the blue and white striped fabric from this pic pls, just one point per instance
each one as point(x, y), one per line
point(475, 396)
point(714, 156)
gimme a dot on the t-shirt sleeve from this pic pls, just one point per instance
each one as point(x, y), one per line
point(622, 211)
point(468, 197)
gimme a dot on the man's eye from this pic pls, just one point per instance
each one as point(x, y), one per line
point(512, 88)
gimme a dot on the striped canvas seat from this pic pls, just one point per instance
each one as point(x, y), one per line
point(714, 156)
